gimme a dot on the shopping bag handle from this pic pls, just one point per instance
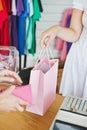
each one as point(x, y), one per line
point(48, 52)
point(39, 56)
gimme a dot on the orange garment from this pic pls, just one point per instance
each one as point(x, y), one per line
point(1, 6)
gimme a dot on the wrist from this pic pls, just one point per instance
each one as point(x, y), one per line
point(56, 29)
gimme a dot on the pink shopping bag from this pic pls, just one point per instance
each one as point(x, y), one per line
point(43, 80)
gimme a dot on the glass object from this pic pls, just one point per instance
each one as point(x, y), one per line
point(8, 58)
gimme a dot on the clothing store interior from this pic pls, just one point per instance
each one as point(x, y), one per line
point(43, 75)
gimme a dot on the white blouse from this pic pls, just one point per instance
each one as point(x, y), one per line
point(80, 4)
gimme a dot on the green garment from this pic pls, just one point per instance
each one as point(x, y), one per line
point(31, 28)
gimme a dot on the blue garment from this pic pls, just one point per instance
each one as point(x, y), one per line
point(22, 27)
point(67, 25)
point(21, 35)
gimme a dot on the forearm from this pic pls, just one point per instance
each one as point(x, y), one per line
point(72, 33)
point(68, 34)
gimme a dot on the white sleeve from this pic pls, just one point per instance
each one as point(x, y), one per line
point(78, 4)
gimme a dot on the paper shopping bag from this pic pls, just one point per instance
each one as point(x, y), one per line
point(43, 79)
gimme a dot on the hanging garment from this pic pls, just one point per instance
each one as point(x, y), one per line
point(4, 26)
point(31, 27)
point(22, 27)
point(61, 45)
point(40, 5)
point(14, 35)
point(14, 32)
point(8, 4)
point(69, 44)
point(7, 24)
point(31, 11)
point(1, 6)
point(20, 7)
point(16, 11)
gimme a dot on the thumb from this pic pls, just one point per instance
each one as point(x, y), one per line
point(9, 90)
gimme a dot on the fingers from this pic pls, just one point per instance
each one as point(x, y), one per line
point(9, 102)
point(16, 76)
point(47, 42)
point(10, 76)
point(20, 105)
point(45, 39)
point(6, 79)
point(19, 108)
point(42, 41)
point(8, 91)
point(22, 102)
point(48, 36)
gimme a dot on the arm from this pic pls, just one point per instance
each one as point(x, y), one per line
point(68, 34)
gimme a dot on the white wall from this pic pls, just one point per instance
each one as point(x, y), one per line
point(52, 13)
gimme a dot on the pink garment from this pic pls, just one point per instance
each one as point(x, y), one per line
point(61, 45)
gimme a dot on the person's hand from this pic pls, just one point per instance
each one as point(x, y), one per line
point(9, 102)
point(48, 35)
point(7, 76)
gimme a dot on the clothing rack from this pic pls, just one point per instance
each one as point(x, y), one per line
point(20, 62)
